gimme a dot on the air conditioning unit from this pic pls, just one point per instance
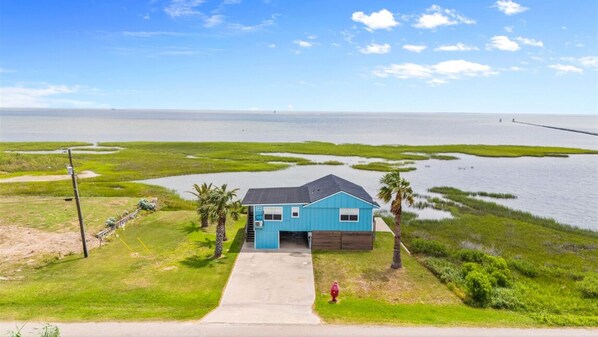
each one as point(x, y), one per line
point(259, 224)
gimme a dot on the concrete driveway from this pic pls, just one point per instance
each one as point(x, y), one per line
point(269, 287)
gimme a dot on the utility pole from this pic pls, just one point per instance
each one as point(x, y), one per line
point(71, 170)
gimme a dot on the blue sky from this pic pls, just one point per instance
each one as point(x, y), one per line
point(523, 56)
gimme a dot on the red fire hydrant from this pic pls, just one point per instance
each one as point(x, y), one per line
point(334, 290)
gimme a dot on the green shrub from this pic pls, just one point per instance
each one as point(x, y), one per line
point(500, 279)
point(468, 267)
point(479, 287)
point(429, 248)
point(146, 205)
point(503, 298)
point(524, 268)
point(111, 222)
point(589, 286)
point(470, 255)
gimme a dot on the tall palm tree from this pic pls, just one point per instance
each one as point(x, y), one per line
point(203, 196)
point(394, 185)
point(222, 203)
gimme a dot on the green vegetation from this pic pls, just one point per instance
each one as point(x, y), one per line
point(175, 278)
point(382, 167)
point(332, 162)
point(373, 293)
point(142, 160)
point(492, 256)
point(397, 189)
point(55, 214)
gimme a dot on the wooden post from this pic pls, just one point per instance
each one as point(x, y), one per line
point(79, 214)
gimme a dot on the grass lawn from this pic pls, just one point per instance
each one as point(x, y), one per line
point(55, 214)
point(173, 279)
point(372, 292)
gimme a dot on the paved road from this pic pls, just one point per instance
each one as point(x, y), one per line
point(195, 329)
point(269, 287)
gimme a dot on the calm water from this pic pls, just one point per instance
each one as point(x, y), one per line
point(544, 186)
point(367, 128)
point(561, 188)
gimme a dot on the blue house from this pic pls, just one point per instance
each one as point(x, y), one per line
point(328, 213)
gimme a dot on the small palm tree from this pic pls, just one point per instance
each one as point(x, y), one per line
point(203, 196)
point(394, 185)
point(222, 203)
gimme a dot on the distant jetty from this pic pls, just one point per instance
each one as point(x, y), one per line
point(557, 128)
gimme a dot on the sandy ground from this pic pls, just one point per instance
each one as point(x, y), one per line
point(25, 179)
point(22, 244)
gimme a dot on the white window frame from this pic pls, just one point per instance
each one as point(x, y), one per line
point(349, 212)
point(295, 210)
point(273, 211)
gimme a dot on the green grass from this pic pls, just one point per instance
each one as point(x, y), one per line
point(55, 214)
point(372, 293)
point(175, 280)
point(547, 260)
point(168, 200)
point(381, 167)
point(142, 160)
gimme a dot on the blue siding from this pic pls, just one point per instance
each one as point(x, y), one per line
point(266, 239)
point(321, 215)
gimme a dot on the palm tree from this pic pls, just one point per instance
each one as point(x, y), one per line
point(222, 203)
point(393, 184)
point(203, 195)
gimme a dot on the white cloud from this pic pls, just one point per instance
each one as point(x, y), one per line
point(565, 68)
point(502, 42)
point(272, 45)
point(303, 43)
point(6, 71)
point(382, 19)
point(414, 48)
point(509, 7)
point(456, 47)
point(585, 61)
point(40, 97)
point(150, 34)
point(178, 8)
point(252, 28)
point(509, 29)
point(530, 42)
point(312, 37)
point(375, 48)
point(213, 21)
point(589, 61)
point(437, 16)
point(404, 71)
point(436, 74)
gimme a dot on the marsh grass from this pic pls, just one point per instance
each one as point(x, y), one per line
point(143, 160)
point(547, 260)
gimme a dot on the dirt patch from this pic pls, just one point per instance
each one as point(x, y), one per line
point(23, 243)
point(24, 179)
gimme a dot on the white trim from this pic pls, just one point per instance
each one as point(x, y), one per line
point(340, 210)
point(298, 212)
point(281, 213)
point(369, 203)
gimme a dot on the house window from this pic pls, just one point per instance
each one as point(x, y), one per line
point(294, 212)
point(273, 213)
point(349, 214)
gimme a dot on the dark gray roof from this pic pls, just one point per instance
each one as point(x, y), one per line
point(276, 195)
point(330, 184)
point(308, 193)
